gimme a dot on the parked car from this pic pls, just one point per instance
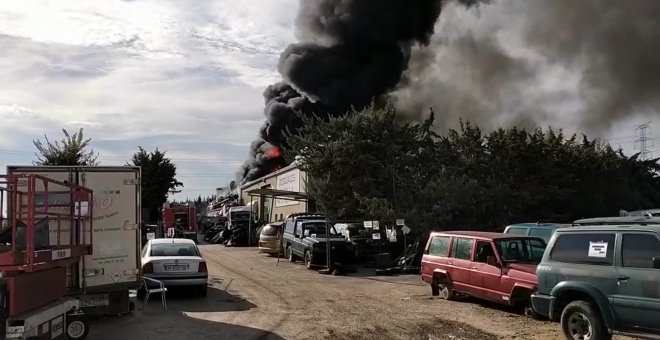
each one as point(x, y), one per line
point(491, 266)
point(305, 237)
point(542, 230)
point(175, 262)
point(270, 238)
point(600, 280)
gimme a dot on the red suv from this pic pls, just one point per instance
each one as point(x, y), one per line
point(491, 266)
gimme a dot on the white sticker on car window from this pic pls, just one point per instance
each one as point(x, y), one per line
point(597, 249)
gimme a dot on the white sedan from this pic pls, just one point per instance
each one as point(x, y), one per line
point(175, 262)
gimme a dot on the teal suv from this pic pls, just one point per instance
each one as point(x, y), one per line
point(601, 280)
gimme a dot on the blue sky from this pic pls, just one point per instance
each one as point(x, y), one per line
point(186, 76)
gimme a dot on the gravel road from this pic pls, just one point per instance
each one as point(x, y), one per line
point(255, 297)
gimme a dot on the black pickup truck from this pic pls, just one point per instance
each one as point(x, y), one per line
point(307, 236)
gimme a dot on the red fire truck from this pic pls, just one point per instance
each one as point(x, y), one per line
point(180, 221)
point(46, 231)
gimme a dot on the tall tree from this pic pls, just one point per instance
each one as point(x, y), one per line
point(366, 164)
point(158, 180)
point(70, 150)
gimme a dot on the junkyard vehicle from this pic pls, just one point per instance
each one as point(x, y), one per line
point(183, 218)
point(600, 280)
point(270, 238)
point(357, 234)
point(213, 231)
point(542, 230)
point(307, 236)
point(111, 271)
point(491, 266)
point(240, 224)
point(175, 262)
point(46, 240)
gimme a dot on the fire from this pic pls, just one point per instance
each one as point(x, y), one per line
point(273, 153)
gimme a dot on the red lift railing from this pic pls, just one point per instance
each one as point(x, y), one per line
point(49, 223)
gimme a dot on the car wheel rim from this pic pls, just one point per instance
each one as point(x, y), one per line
point(76, 329)
point(580, 326)
point(444, 292)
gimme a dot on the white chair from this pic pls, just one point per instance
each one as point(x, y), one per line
point(161, 289)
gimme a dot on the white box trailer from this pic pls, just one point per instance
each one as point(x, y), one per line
point(103, 280)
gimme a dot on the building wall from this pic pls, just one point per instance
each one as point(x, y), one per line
point(289, 179)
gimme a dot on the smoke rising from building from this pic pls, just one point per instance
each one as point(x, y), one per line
point(584, 64)
point(350, 52)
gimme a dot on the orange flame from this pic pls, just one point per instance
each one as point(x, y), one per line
point(273, 153)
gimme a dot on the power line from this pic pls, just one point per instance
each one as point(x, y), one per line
point(643, 131)
point(176, 160)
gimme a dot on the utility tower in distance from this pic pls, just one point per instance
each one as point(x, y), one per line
point(642, 132)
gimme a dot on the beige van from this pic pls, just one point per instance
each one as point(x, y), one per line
point(270, 238)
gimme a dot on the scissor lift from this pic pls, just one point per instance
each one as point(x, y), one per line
point(46, 230)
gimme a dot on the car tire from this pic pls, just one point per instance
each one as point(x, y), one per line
point(446, 291)
point(77, 327)
point(290, 255)
point(582, 320)
point(435, 290)
point(308, 259)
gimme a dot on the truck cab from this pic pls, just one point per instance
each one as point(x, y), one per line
point(310, 236)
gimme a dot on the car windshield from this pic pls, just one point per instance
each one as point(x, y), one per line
point(269, 230)
point(521, 250)
point(173, 249)
point(318, 228)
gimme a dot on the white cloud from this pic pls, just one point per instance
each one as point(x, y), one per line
point(187, 76)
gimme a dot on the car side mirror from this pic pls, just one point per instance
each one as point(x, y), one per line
point(656, 262)
point(492, 261)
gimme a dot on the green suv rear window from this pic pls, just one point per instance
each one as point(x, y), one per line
point(587, 248)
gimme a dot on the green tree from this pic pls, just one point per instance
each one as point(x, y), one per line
point(366, 164)
point(158, 179)
point(369, 165)
point(71, 150)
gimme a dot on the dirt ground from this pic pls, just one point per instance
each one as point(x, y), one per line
point(254, 297)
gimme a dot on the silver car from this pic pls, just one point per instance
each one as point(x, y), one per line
point(175, 262)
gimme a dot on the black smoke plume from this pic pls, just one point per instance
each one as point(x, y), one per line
point(589, 65)
point(350, 52)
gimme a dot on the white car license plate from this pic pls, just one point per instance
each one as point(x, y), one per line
point(176, 267)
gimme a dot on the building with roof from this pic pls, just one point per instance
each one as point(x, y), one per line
point(278, 194)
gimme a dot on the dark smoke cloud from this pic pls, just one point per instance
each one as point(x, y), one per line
point(350, 52)
point(585, 64)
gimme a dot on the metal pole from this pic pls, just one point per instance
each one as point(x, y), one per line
point(405, 251)
point(327, 243)
point(250, 223)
